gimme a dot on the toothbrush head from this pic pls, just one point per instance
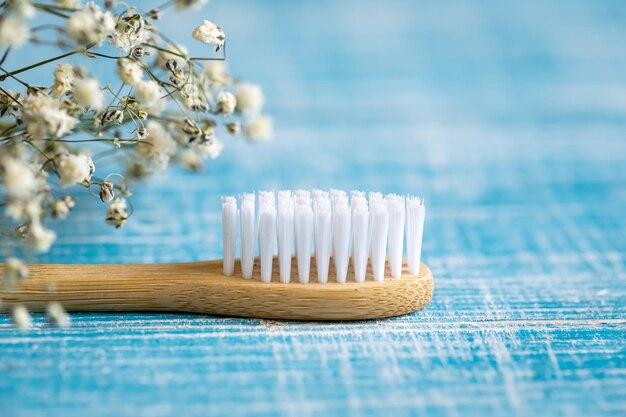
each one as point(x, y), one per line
point(343, 245)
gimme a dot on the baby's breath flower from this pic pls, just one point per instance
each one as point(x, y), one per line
point(211, 147)
point(142, 133)
point(191, 98)
point(147, 92)
point(250, 98)
point(226, 103)
point(112, 116)
point(209, 33)
point(19, 179)
point(259, 128)
point(117, 213)
point(215, 74)
point(15, 271)
point(190, 159)
point(22, 8)
point(57, 316)
point(21, 318)
point(173, 51)
point(157, 149)
point(25, 210)
point(90, 25)
point(43, 116)
point(88, 94)
point(40, 238)
point(129, 71)
point(233, 127)
point(156, 108)
point(74, 169)
point(13, 32)
point(61, 208)
point(130, 31)
point(189, 4)
point(106, 192)
point(63, 79)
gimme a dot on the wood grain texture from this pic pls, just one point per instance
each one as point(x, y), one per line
point(200, 287)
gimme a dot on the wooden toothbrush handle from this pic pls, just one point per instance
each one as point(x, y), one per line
point(200, 287)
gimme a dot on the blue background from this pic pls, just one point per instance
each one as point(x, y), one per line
point(508, 117)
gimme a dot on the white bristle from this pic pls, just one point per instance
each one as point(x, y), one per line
point(395, 240)
point(323, 235)
point(304, 234)
point(267, 233)
point(229, 237)
point(415, 213)
point(247, 234)
point(360, 236)
point(285, 231)
point(373, 198)
point(341, 236)
point(379, 225)
point(358, 226)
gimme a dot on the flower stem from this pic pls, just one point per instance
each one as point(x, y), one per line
point(44, 62)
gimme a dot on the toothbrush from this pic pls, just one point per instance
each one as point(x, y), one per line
point(338, 258)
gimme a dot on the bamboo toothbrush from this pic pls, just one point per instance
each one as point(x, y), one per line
point(342, 231)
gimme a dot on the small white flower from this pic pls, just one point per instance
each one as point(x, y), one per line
point(88, 94)
point(117, 213)
point(44, 117)
point(189, 4)
point(63, 79)
point(22, 8)
point(21, 317)
point(250, 99)
point(40, 238)
point(212, 147)
point(90, 25)
point(191, 98)
point(259, 128)
point(13, 32)
point(190, 159)
point(57, 316)
point(158, 148)
point(61, 208)
point(156, 108)
point(210, 33)
point(129, 71)
point(215, 74)
point(147, 92)
point(15, 271)
point(130, 31)
point(20, 181)
point(74, 169)
point(163, 56)
point(226, 103)
point(24, 210)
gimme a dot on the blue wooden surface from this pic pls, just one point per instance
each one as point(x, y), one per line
point(509, 117)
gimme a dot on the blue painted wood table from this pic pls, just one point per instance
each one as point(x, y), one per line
point(508, 117)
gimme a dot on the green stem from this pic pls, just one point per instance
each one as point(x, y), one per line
point(44, 62)
point(51, 9)
point(38, 150)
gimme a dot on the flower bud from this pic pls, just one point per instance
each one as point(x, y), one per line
point(138, 52)
point(155, 14)
point(106, 192)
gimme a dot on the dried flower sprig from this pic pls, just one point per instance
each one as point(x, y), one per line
point(162, 106)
